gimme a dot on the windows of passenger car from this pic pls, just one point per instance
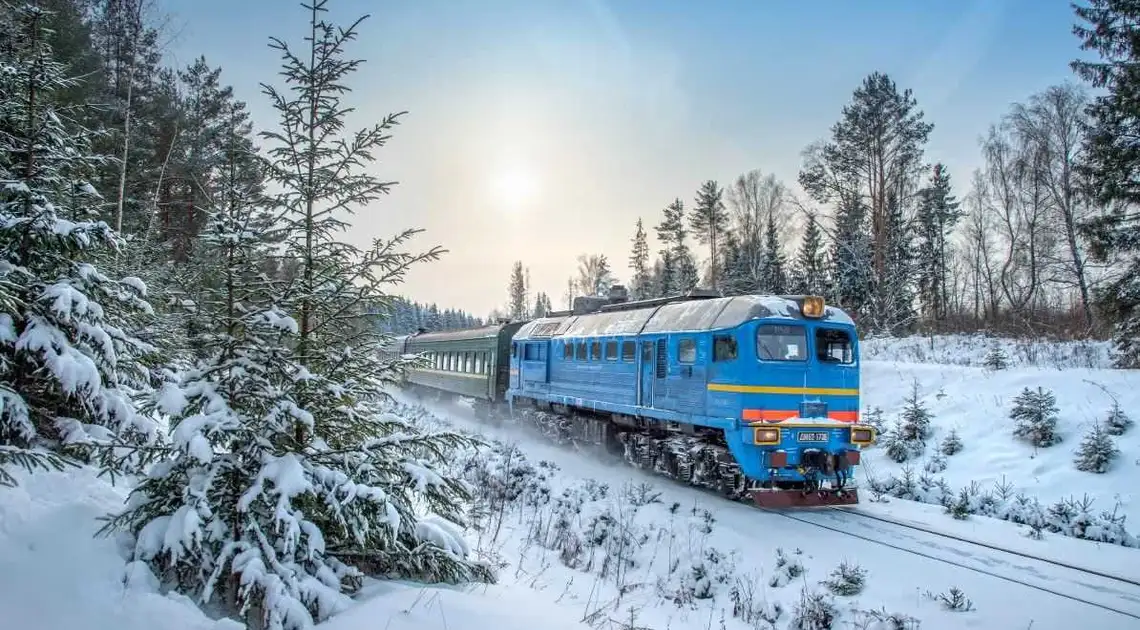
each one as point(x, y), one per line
point(628, 351)
point(595, 350)
point(781, 342)
point(580, 353)
point(687, 351)
point(833, 345)
point(611, 351)
point(567, 351)
point(724, 348)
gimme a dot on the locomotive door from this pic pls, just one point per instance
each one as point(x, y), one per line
point(645, 375)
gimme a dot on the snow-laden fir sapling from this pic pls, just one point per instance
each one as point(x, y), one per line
point(1096, 451)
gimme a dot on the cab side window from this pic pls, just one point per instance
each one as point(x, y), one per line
point(687, 351)
point(724, 348)
point(833, 345)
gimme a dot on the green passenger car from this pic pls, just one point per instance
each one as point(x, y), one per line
point(473, 362)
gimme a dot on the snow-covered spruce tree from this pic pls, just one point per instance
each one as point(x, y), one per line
point(322, 173)
point(70, 362)
point(224, 518)
point(1117, 421)
point(996, 358)
point(951, 444)
point(1096, 451)
point(914, 420)
point(1035, 417)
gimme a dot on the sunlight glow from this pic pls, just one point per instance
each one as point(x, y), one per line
point(514, 188)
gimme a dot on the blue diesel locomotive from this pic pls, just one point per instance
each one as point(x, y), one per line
point(750, 395)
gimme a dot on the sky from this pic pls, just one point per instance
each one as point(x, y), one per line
point(542, 130)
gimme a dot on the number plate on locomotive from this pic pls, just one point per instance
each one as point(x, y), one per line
point(813, 436)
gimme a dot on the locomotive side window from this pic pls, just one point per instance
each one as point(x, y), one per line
point(567, 351)
point(534, 352)
point(781, 342)
point(833, 346)
point(687, 351)
point(724, 348)
point(595, 350)
point(580, 353)
point(611, 351)
point(628, 351)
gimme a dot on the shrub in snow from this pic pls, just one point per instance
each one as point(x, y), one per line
point(642, 494)
point(960, 507)
point(883, 620)
point(1096, 451)
point(500, 475)
point(955, 600)
point(749, 604)
point(1117, 421)
point(936, 464)
point(704, 572)
point(846, 580)
point(1035, 417)
point(1068, 518)
point(996, 358)
point(898, 446)
point(787, 568)
point(925, 488)
point(951, 444)
point(70, 361)
point(1071, 517)
point(814, 611)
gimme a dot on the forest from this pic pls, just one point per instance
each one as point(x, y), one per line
point(1035, 242)
point(178, 302)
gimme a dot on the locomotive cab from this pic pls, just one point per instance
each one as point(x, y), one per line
point(795, 389)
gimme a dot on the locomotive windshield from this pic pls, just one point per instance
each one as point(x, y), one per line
point(780, 342)
point(833, 345)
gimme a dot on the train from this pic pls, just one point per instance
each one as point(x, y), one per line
point(754, 396)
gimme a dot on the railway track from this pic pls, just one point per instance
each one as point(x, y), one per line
point(1116, 594)
point(1097, 589)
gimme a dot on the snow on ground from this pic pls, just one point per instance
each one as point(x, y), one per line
point(56, 575)
point(976, 402)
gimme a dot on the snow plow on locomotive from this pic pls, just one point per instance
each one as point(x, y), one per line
point(752, 396)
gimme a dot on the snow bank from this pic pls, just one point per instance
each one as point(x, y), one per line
point(976, 403)
point(56, 575)
point(971, 350)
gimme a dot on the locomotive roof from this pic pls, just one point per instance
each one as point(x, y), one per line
point(684, 316)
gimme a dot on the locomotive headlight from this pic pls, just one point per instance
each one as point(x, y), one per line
point(812, 306)
point(766, 435)
point(862, 435)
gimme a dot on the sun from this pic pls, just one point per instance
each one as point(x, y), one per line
point(515, 187)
